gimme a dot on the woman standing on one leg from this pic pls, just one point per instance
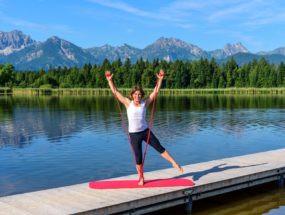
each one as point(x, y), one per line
point(138, 128)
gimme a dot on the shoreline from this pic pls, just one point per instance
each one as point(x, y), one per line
point(125, 91)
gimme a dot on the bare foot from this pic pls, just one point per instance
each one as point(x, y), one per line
point(141, 181)
point(178, 167)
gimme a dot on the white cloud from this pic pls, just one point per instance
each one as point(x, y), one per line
point(186, 5)
point(231, 11)
point(19, 23)
point(121, 6)
point(208, 15)
point(254, 13)
point(280, 18)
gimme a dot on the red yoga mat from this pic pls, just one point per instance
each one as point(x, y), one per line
point(119, 184)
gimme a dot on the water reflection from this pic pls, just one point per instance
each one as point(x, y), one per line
point(24, 118)
point(262, 200)
point(267, 200)
point(49, 142)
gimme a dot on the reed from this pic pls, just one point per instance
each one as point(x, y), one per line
point(5, 91)
point(125, 91)
point(227, 91)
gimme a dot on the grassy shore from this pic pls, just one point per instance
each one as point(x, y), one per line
point(125, 91)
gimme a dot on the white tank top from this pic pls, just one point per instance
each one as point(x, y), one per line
point(136, 117)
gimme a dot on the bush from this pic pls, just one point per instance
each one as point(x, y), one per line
point(64, 85)
point(46, 86)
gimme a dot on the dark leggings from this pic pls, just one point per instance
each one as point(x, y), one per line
point(136, 141)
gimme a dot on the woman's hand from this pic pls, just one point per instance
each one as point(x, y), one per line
point(117, 94)
point(108, 75)
point(160, 75)
point(151, 97)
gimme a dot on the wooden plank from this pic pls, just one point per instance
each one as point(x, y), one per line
point(211, 178)
point(11, 210)
point(27, 205)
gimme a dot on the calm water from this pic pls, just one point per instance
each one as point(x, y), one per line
point(266, 200)
point(49, 142)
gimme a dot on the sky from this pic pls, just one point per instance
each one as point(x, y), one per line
point(209, 24)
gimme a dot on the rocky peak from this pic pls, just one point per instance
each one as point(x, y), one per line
point(228, 50)
point(169, 43)
point(107, 47)
point(56, 40)
point(14, 41)
point(127, 48)
point(63, 48)
point(280, 51)
point(231, 49)
point(59, 43)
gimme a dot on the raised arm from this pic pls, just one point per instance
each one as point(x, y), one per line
point(151, 97)
point(120, 97)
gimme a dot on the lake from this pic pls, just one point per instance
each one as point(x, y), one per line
point(48, 142)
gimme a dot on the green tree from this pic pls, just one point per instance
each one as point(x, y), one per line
point(137, 72)
point(6, 75)
point(214, 71)
point(170, 76)
point(230, 69)
point(126, 70)
point(253, 76)
point(19, 79)
point(148, 78)
point(280, 82)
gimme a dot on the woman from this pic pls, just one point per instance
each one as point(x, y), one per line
point(138, 128)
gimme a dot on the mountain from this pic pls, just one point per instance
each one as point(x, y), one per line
point(164, 48)
point(114, 53)
point(280, 50)
point(244, 58)
point(171, 49)
point(27, 54)
point(53, 52)
point(229, 50)
point(14, 41)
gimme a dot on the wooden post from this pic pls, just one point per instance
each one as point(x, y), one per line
point(281, 180)
point(189, 201)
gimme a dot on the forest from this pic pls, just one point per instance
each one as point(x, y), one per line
point(198, 74)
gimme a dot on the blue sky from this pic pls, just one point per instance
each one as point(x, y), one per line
point(209, 24)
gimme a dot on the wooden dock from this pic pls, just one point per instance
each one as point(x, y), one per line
point(211, 178)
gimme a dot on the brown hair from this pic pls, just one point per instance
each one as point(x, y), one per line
point(136, 88)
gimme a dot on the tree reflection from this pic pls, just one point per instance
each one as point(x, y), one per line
point(24, 118)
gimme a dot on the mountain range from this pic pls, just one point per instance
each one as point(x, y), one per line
point(27, 54)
